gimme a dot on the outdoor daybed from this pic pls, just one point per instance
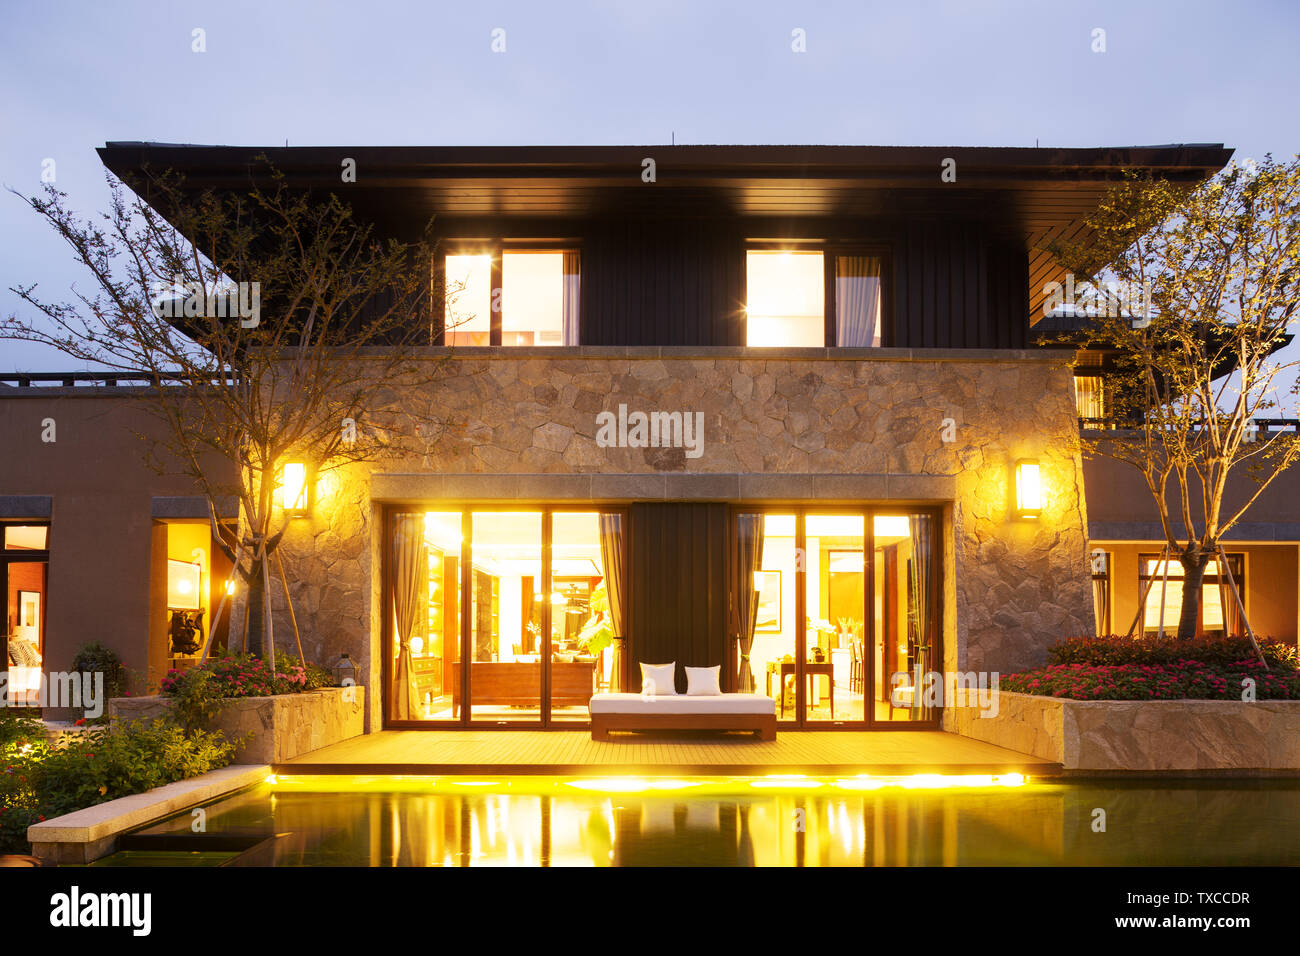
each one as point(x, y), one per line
point(754, 712)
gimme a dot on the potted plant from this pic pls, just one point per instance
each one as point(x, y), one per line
point(598, 632)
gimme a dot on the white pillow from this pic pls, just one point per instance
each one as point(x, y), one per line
point(662, 677)
point(703, 681)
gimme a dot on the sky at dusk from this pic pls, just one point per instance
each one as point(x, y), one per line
point(75, 75)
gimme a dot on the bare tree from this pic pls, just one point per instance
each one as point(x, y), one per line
point(272, 327)
point(1193, 292)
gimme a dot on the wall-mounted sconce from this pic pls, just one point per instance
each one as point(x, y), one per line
point(1029, 489)
point(295, 489)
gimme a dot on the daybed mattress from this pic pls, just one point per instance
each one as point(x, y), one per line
point(682, 704)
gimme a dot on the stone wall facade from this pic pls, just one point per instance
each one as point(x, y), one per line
point(1155, 735)
point(870, 425)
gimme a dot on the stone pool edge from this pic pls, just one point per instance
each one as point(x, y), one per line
point(86, 835)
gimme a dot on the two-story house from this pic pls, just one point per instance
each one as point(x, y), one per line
point(773, 408)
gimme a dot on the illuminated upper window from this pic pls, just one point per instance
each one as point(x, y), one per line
point(785, 299)
point(469, 300)
point(536, 304)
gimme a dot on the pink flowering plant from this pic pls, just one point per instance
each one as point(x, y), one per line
point(1175, 680)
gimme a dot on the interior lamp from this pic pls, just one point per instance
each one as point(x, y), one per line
point(1029, 489)
point(295, 491)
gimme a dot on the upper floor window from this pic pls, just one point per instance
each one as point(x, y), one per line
point(785, 299)
point(512, 297)
point(1090, 397)
point(790, 294)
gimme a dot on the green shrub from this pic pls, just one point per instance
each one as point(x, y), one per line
point(197, 697)
point(40, 780)
point(18, 727)
point(1219, 651)
point(95, 657)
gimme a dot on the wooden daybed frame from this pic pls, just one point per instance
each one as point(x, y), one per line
point(763, 725)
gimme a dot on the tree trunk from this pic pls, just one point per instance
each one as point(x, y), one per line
point(1193, 575)
point(256, 616)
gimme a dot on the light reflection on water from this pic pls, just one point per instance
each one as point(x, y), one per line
point(497, 824)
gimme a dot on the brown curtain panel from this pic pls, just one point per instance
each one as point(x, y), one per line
point(410, 582)
point(922, 620)
point(613, 557)
point(749, 560)
point(1101, 601)
point(1233, 624)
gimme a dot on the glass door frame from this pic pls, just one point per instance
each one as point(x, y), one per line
point(467, 508)
point(868, 512)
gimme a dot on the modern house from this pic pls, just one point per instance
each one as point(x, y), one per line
point(773, 408)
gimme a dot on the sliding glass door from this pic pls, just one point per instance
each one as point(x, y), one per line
point(515, 612)
point(835, 612)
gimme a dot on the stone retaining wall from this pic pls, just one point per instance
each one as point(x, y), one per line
point(282, 727)
point(1122, 735)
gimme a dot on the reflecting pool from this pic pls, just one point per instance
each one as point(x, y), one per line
point(736, 821)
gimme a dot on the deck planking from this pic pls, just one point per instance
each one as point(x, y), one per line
point(467, 752)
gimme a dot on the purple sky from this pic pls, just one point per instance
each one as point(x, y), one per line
point(74, 75)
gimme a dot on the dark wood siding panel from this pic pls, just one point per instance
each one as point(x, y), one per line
point(662, 283)
point(1008, 293)
point(678, 589)
point(955, 283)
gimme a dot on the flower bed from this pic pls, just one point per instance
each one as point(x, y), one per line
point(1117, 705)
point(1176, 680)
point(1117, 649)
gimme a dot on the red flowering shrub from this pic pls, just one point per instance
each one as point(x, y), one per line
point(1178, 680)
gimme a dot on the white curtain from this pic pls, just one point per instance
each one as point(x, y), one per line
point(857, 301)
point(572, 283)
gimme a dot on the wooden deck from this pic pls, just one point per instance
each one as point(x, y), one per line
point(449, 752)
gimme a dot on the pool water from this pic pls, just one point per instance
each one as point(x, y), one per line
point(762, 821)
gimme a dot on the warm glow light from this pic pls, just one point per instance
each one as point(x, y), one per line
point(784, 299)
point(293, 487)
point(558, 598)
point(541, 784)
point(183, 583)
point(758, 580)
point(230, 586)
point(1029, 489)
point(631, 784)
point(891, 526)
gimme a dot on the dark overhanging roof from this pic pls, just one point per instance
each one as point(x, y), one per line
point(1035, 194)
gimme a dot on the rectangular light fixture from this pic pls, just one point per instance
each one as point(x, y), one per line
point(1029, 489)
point(295, 491)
